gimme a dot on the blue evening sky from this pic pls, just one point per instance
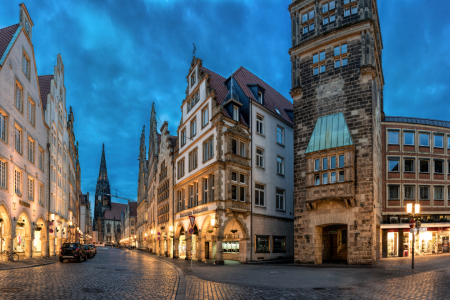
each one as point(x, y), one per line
point(120, 56)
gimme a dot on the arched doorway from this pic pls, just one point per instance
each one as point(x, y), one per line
point(180, 242)
point(39, 242)
point(208, 247)
point(22, 241)
point(5, 227)
point(334, 243)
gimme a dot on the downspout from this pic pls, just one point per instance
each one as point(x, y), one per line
point(49, 189)
point(251, 180)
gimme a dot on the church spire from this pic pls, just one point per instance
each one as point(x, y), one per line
point(103, 173)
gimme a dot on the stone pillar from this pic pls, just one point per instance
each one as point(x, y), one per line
point(400, 243)
point(219, 252)
point(28, 248)
point(244, 251)
point(188, 246)
point(44, 248)
point(176, 253)
point(58, 244)
point(201, 249)
point(8, 243)
point(52, 245)
point(384, 242)
point(64, 241)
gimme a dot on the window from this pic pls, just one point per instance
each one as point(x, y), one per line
point(341, 176)
point(332, 18)
point(41, 194)
point(393, 165)
point(180, 200)
point(424, 139)
point(347, 12)
point(18, 139)
point(424, 166)
point(260, 97)
point(234, 146)
point(354, 10)
point(242, 193)
point(31, 111)
point(424, 193)
point(439, 141)
point(325, 178)
point(439, 193)
point(409, 138)
point(3, 126)
point(259, 194)
point(234, 192)
point(208, 149)
point(318, 57)
point(325, 163)
point(317, 165)
point(193, 159)
point(311, 14)
point(26, 65)
point(259, 124)
point(181, 168)
point(316, 71)
point(205, 190)
point(183, 137)
point(260, 157)
point(132, 230)
point(212, 187)
point(280, 165)
point(393, 192)
point(305, 29)
point(393, 137)
point(280, 133)
point(279, 199)
point(410, 192)
point(193, 79)
point(41, 159)
point(236, 113)
point(279, 244)
point(242, 149)
point(409, 165)
point(193, 128)
point(448, 142)
point(325, 20)
point(205, 117)
point(3, 173)
point(341, 161)
point(317, 179)
point(322, 69)
point(333, 162)
point(439, 166)
point(304, 17)
point(333, 177)
point(18, 182)
point(341, 49)
point(233, 176)
point(325, 8)
point(262, 244)
point(30, 150)
point(19, 97)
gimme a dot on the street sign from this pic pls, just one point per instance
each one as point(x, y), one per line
point(191, 230)
point(422, 229)
point(192, 219)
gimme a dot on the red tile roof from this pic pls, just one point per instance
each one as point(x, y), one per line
point(216, 82)
point(115, 211)
point(44, 86)
point(6, 35)
point(133, 209)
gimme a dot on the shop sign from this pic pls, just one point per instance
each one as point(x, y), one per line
point(163, 227)
point(425, 229)
point(23, 203)
point(196, 211)
point(59, 221)
point(188, 213)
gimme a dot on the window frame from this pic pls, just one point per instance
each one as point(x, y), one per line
point(235, 113)
point(280, 135)
point(389, 192)
point(18, 92)
point(205, 116)
point(393, 159)
point(28, 66)
point(413, 165)
point(18, 182)
point(260, 124)
point(442, 166)
point(413, 138)
point(183, 137)
point(193, 127)
point(427, 187)
point(19, 130)
point(442, 192)
point(31, 116)
point(258, 192)
point(280, 165)
point(413, 187)
point(389, 137)
point(260, 157)
point(280, 199)
point(4, 121)
point(420, 167)
point(420, 140)
point(3, 174)
point(434, 141)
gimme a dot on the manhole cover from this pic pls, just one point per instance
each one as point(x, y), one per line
point(11, 290)
point(92, 290)
point(274, 272)
point(318, 289)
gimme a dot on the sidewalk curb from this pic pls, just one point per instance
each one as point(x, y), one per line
point(181, 290)
point(27, 267)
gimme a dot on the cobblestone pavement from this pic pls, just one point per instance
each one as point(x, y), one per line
point(27, 263)
point(125, 274)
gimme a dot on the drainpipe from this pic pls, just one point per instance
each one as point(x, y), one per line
point(49, 189)
point(251, 180)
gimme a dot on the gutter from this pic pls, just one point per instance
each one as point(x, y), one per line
point(48, 213)
point(251, 179)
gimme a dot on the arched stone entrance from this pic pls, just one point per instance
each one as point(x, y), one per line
point(207, 241)
point(179, 242)
point(40, 244)
point(233, 240)
point(23, 235)
point(333, 239)
point(5, 230)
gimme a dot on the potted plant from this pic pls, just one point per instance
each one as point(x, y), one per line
point(431, 220)
point(20, 224)
point(38, 228)
point(210, 231)
point(233, 230)
point(443, 220)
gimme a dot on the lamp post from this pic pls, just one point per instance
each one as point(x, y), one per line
point(413, 223)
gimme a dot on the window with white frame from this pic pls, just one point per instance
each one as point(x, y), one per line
point(19, 97)
point(183, 137)
point(242, 148)
point(280, 165)
point(408, 138)
point(438, 193)
point(180, 168)
point(260, 157)
point(30, 150)
point(18, 182)
point(260, 97)
point(410, 192)
point(3, 126)
point(205, 117)
point(18, 139)
point(260, 124)
point(193, 159)
point(193, 79)
point(30, 189)
point(205, 190)
point(280, 135)
point(424, 139)
point(236, 113)
point(279, 199)
point(193, 127)
point(26, 65)
point(3, 173)
point(259, 194)
point(31, 111)
point(438, 141)
point(394, 192)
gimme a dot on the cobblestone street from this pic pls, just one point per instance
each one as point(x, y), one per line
point(124, 274)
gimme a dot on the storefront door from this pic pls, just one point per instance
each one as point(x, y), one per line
point(206, 250)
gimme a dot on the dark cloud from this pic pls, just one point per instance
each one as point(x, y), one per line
point(120, 56)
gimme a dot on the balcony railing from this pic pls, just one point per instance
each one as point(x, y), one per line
point(237, 205)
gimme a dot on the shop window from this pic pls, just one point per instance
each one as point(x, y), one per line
point(439, 141)
point(230, 247)
point(279, 244)
point(393, 137)
point(262, 244)
point(409, 165)
point(424, 193)
point(439, 167)
point(409, 138)
point(410, 192)
point(438, 193)
point(393, 165)
point(424, 166)
point(393, 192)
point(424, 140)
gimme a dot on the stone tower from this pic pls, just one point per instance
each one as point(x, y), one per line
point(337, 90)
point(102, 200)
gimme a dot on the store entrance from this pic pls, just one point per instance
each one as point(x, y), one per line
point(334, 243)
point(206, 250)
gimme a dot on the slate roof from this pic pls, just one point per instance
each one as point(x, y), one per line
point(437, 123)
point(133, 209)
point(330, 132)
point(173, 140)
point(45, 82)
point(6, 36)
point(115, 211)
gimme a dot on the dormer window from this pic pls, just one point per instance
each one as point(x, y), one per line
point(276, 109)
point(193, 79)
point(260, 97)
point(236, 113)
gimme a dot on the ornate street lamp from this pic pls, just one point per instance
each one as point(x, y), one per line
point(413, 223)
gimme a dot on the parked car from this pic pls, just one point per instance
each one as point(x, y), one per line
point(98, 244)
point(89, 251)
point(72, 251)
point(94, 248)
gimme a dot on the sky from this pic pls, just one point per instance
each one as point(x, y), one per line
point(120, 56)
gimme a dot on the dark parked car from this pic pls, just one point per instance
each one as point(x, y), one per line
point(93, 247)
point(89, 251)
point(72, 251)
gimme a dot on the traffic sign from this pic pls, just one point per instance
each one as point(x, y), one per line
point(191, 230)
point(192, 219)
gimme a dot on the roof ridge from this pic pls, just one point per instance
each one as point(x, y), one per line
point(417, 118)
point(7, 27)
point(208, 70)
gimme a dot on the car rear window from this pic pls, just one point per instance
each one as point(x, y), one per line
point(69, 245)
point(86, 247)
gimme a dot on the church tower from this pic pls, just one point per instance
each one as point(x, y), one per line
point(337, 90)
point(102, 200)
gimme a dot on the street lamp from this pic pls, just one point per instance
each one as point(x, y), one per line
point(413, 223)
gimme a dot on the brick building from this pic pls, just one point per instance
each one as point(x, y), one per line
point(337, 89)
point(416, 169)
